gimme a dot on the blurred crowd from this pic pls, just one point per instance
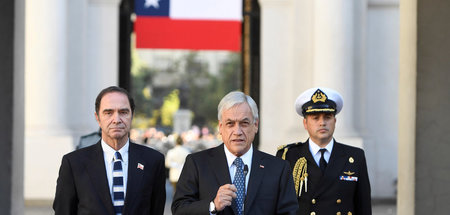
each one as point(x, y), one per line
point(176, 147)
point(195, 139)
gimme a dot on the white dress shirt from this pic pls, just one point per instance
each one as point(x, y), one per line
point(246, 158)
point(108, 154)
point(314, 149)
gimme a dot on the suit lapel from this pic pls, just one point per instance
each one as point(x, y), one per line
point(335, 166)
point(134, 175)
point(256, 177)
point(97, 172)
point(219, 165)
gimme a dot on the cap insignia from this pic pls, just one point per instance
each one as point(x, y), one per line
point(319, 96)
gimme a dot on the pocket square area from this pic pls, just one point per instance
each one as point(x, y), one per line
point(348, 178)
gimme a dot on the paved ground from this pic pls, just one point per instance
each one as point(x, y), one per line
point(44, 208)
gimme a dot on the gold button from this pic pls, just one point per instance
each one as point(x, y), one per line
point(313, 201)
point(338, 201)
point(313, 213)
point(349, 213)
point(338, 213)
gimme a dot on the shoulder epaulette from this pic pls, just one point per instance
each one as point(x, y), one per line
point(300, 174)
point(285, 149)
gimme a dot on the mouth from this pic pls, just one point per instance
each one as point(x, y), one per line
point(238, 141)
point(117, 129)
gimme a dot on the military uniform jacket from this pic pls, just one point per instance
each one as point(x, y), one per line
point(343, 188)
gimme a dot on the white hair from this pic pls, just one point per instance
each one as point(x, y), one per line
point(234, 98)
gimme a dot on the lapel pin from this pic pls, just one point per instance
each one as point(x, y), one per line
point(140, 166)
point(351, 160)
point(261, 166)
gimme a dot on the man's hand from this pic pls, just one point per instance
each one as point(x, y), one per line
point(225, 195)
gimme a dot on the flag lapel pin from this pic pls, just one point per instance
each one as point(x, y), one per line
point(140, 166)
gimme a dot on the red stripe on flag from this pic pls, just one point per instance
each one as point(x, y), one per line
point(166, 33)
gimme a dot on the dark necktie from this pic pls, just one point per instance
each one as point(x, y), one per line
point(322, 162)
point(118, 188)
point(239, 182)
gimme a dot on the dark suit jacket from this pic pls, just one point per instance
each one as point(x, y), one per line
point(82, 186)
point(270, 187)
point(328, 194)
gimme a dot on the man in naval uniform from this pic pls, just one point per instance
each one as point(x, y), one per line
point(329, 177)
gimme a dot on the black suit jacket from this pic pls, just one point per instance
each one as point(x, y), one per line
point(270, 187)
point(82, 185)
point(330, 194)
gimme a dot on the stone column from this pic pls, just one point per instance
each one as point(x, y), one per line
point(12, 24)
point(432, 132)
point(407, 108)
point(102, 44)
point(333, 59)
point(46, 134)
point(92, 58)
point(276, 107)
point(70, 57)
point(17, 198)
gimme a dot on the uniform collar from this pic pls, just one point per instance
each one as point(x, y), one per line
point(314, 148)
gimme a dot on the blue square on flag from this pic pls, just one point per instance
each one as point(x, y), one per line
point(152, 7)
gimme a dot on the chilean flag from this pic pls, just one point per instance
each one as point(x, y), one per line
point(188, 24)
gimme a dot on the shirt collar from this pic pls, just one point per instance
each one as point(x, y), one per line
point(108, 151)
point(246, 158)
point(314, 148)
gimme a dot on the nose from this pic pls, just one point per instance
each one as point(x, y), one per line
point(116, 118)
point(322, 120)
point(237, 130)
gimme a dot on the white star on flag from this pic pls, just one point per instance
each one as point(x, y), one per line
point(149, 3)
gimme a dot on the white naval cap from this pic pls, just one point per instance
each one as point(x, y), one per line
point(319, 100)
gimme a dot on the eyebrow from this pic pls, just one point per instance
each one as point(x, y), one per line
point(231, 120)
point(121, 109)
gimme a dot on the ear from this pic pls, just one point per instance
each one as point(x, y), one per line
point(97, 118)
point(256, 126)
point(220, 127)
point(304, 123)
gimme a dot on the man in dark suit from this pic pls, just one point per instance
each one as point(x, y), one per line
point(330, 177)
point(114, 176)
point(235, 178)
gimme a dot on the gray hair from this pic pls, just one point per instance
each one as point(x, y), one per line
point(234, 98)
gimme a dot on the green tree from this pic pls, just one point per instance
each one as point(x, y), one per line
point(192, 87)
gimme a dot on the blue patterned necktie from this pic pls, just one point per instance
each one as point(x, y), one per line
point(118, 189)
point(239, 182)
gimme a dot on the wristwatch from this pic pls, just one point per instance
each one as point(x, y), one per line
point(212, 207)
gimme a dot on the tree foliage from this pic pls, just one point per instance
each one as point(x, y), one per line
point(191, 86)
